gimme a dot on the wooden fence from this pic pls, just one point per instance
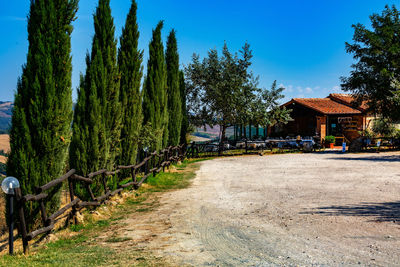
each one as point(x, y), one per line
point(159, 161)
point(235, 148)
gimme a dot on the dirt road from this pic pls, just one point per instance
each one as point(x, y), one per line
point(292, 209)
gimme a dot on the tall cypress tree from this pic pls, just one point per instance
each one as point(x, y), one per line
point(130, 66)
point(155, 109)
point(174, 96)
point(97, 118)
point(40, 132)
point(185, 122)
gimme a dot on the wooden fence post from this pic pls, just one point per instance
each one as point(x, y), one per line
point(159, 160)
point(104, 181)
point(22, 223)
point(43, 213)
point(133, 171)
point(71, 196)
point(169, 157)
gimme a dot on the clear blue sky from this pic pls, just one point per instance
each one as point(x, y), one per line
point(298, 43)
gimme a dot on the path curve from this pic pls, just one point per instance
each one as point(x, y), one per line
point(289, 209)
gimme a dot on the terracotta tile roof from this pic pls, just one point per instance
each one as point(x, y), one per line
point(348, 100)
point(325, 106)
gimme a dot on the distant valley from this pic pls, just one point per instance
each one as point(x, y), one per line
point(5, 115)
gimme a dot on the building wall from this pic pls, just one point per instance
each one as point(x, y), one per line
point(348, 126)
point(321, 126)
point(307, 122)
point(303, 123)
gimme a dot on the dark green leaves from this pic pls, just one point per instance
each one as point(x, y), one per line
point(375, 76)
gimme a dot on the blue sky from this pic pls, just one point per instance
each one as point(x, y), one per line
point(298, 43)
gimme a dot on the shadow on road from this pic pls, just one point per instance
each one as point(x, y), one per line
point(379, 212)
point(382, 158)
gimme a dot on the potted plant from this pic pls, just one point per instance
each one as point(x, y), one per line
point(329, 141)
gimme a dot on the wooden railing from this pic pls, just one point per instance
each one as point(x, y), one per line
point(235, 148)
point(159, 161)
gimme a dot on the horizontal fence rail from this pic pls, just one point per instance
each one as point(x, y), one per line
point(158, 160)
point(234, 148)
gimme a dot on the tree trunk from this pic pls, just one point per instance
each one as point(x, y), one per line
point(221, 141)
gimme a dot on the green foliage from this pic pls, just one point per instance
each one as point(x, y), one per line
point(174, 94)
point(155, 108)
point(375, 77)
point(185, 123)
point(265, 109)
point(367, 133)
point(40, 133)
point(330, 139)
point(129, 62)
point(383, 127)
point(97, 118)
point(396, 133)
point(222, 90)
point(148, 136)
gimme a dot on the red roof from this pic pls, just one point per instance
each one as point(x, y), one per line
point(348, 99)
point(325, 106)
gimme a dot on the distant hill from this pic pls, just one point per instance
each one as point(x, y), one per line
point(5, 115)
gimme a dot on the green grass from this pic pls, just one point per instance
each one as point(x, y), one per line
point(173, 180)
point(74, 251)
point(82, 249)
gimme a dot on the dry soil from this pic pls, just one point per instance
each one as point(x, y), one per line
point(4, 145)
point(4, 142)
point(291, 209)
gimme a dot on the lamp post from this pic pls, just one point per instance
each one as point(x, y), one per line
point(8, 185)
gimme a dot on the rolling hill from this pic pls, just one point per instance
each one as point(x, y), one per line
point(5, 115)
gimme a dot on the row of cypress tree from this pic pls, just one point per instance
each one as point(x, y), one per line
point(111, 107)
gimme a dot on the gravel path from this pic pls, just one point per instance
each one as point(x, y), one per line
point(291, 209)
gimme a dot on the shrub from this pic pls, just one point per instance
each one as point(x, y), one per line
point(330, 139)
point(397, 134)
point(367, 133)
point(383, 127)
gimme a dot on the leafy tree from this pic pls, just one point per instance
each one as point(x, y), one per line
point(265, 109)
point(130, 65)
point(383, 127)
point(155, 109)
point(173, 85)
point(376, 74)
point(214, 86)
point(222, 90)
point(148, 136)
point(185, 122)
point(97, 118)
point(40, 133)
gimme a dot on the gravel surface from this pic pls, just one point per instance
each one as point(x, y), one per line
point(291, 209)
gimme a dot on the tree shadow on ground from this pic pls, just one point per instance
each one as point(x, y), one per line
point(378, 212)
point(395, 158)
